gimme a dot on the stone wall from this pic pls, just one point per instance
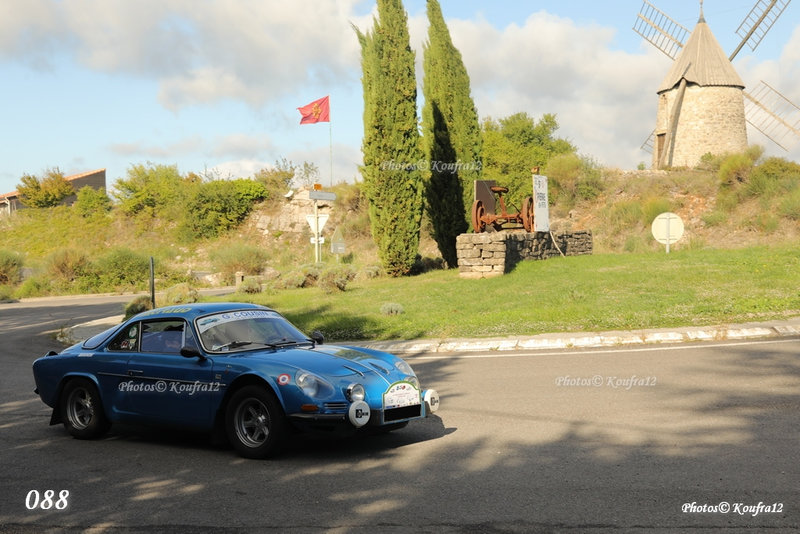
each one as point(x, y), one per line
point(495, 253)
point(712, 119)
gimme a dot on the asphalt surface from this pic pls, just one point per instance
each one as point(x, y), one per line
point(658, 437)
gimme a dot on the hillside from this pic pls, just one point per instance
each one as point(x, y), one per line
point(65, 252)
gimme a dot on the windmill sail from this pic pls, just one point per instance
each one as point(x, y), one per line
point(660, 30)
point(773, 114)
point(758, 22)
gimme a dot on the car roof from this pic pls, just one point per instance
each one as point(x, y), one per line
point(191, 311)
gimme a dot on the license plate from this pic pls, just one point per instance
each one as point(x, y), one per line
point(400, 395)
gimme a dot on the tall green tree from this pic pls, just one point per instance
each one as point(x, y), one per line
point(515, 144)
point(44, 192)
point(452, 135)
point(393, 181)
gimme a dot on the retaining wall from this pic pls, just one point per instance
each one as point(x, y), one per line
point(495, 253)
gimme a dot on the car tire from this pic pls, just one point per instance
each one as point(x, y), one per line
point(255, 423)
point(81, 410)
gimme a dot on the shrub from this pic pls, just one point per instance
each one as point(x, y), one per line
point(67, 265)
point(231, 258)
point(392, 308)
point(653, 207)
point(250, 285)
point(35, 286)
point(123, 268)
point(219, 205)
point(92, 201)
point(735, 169)
point(138, 305)
point(626, 213)
point(336, 278)
point(790, 205)
point(10, 267)
point(180, 294)
point(714, 218)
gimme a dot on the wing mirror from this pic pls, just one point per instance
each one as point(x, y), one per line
point(317, 337)
point(191, 352)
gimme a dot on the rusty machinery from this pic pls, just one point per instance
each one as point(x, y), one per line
point(484, 209)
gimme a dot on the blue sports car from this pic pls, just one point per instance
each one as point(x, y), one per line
point(238, 369)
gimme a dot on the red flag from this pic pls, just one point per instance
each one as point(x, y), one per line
point(316, 111)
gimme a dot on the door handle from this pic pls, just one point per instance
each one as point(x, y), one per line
point(135, 372)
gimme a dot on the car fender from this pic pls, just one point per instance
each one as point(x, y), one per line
point(246, 379)
point(55, 417)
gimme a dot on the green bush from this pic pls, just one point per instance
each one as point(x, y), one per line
point(653, 207)
point(219, 205)
point(231, 258)
point(138, 305)
point(122, 268)
point(392, 308)
point(250, 285)
point(92, 202)
point(790, 205)
point(10, 267)
point(180, 294)
point(626, 213)
point(35, 286)
point(736, 168)
point(67, 265)
point(336, 278)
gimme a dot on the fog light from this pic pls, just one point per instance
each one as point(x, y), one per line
point(355, 392)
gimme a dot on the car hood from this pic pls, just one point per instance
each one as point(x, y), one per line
point(333, 360)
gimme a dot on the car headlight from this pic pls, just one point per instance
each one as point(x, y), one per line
point(355, 392)
point(313, 385)
point(404, 368)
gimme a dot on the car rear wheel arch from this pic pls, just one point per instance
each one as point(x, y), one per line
point(80, 408)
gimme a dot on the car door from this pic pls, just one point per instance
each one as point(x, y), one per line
point(166, 387)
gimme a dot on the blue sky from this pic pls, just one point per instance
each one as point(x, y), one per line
point(213, 86)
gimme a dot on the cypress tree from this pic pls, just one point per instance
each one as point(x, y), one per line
point(393, 181)
point(452, 136)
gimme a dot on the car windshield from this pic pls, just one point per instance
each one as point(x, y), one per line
point(247, 330)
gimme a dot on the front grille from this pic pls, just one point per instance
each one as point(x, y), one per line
point(335, 407)
point(406, 412)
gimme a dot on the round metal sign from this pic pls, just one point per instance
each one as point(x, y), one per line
point(667, 228)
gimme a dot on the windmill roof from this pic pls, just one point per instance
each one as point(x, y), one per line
point(702, 61)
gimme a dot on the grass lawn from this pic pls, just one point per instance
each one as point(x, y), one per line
point(583, 293)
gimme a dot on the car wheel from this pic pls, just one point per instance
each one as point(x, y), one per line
point(255, 423)
point(82, 410)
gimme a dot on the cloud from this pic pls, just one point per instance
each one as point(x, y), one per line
point(550, 64)
point(253, 50)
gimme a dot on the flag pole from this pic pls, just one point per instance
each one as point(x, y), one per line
point(330, 135)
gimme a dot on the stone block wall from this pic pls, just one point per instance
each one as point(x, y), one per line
point(496, 253)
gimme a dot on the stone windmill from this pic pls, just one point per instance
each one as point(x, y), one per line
point(702, 105)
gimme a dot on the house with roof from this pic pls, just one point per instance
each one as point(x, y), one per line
point(10, 202)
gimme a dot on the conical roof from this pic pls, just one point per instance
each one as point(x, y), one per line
point(702, 61)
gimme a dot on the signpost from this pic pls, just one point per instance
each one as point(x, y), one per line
point(541, 207)
point(667, 228)
point(338, 245)
point(317, 220)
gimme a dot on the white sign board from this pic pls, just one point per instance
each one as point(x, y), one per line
point(322, 218)
point(315, 194)
point(541, 207)
point(667, 229)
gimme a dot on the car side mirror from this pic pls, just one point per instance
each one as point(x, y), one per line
point(191, 352)
point(317, 337)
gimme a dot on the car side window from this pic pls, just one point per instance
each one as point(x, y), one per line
point(127, 340)
point(163, 337)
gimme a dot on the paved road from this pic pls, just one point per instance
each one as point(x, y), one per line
point(620, 440)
